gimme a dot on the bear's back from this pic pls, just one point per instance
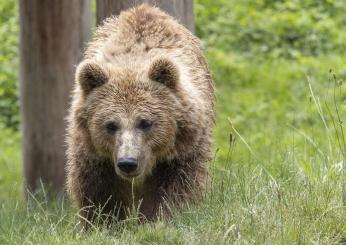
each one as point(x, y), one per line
point(139, 31)
point(140, 35)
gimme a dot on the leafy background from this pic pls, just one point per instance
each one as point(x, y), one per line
point(9, 103)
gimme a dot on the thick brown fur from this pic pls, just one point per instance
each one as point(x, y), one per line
point(142, 62)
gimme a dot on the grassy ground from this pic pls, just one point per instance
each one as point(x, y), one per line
point(278, 176)
point(281, 180)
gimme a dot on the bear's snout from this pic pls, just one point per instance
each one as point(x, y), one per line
point(127, 165)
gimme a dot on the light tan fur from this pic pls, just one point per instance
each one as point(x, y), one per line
point(141, 64)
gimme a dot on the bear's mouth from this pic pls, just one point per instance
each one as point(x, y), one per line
point(127, 176)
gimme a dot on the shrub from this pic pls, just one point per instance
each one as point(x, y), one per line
point(9, 102)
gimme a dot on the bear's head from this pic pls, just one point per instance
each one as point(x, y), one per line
point(131, 116)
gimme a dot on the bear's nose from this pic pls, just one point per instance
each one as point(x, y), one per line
point(127, 165)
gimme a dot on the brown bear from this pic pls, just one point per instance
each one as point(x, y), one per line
point(141, 119)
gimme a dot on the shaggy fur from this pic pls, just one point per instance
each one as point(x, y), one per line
point(141, 64)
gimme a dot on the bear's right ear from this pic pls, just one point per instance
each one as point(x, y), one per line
point(90, 75)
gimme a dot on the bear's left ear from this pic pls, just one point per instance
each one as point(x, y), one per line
point(164, 71)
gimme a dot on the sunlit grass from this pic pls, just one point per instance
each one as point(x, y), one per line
point(278, 176)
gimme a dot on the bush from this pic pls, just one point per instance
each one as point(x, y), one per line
point(240, 36)
point(275, 28)
point(9, 102)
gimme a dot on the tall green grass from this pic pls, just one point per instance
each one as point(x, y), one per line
point(278, 175)
point(273, 181)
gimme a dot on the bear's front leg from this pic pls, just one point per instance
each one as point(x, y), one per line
point(91, 185)
point(179, 183)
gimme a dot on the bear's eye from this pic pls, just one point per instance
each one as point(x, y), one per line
point(111, 127)
point(145, 124)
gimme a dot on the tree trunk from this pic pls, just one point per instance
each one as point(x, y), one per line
point(182, 10)
point(52, 36)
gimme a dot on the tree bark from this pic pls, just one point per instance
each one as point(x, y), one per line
point(182, 10)
point(52, 35)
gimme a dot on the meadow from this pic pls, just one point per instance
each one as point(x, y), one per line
point(278, 173)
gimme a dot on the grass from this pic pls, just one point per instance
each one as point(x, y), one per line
point(278, 176)
point(279, 179)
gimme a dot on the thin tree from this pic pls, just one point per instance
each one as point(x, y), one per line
point(51, 39)
point(182, 10)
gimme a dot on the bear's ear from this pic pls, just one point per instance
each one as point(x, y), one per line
point(90, 75)
point(165, 72)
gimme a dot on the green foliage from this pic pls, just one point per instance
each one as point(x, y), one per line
point(9, 102)
point(250, 29)
point(273, 28)
point(278, 176)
